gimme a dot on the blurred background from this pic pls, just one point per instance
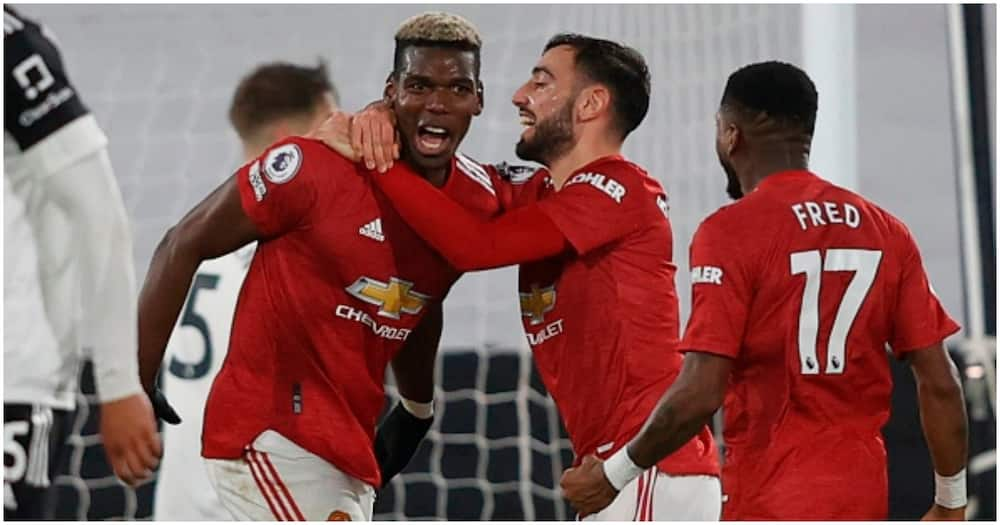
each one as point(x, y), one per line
point(907, 118)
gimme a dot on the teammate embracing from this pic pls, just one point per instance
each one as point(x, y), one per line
point(596, 281)
point(337, 285)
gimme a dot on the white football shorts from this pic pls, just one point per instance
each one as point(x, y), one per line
point(657, 496)
point(277, 480)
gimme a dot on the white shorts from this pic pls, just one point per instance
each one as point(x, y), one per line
point(656, 496)
point(277, 480)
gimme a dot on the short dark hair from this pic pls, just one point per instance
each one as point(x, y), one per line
point(619, 67)
point(779, 89)
point(276, 90)
point(436, 29)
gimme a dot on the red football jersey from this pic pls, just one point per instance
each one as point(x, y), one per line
point(603, 322)
point(804, 284)
point(334, 289)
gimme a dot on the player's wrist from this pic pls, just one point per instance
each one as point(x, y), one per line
point(619, 469)
point(950, 491)
point(115, 385)
point(417, 409)
point(399, 436)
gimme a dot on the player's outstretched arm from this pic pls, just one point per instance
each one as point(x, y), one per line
point(682, 411)
point(469, 243)
point(942, 415)
point(405, 426)
point(216, 226)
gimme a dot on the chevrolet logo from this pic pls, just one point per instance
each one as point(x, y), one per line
point(391, 298)
point(536, 303)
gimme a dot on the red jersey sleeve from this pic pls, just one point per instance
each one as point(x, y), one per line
point(599, 206)
point(919, 319)
point(721, 291)
point(467, 241)
point(278, 189)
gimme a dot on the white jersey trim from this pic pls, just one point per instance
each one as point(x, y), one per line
point(475, 172)
point(38, 455)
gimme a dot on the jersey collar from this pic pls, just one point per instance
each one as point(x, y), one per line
point(780, 176)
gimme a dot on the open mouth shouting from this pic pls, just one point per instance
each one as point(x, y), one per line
point(432, 140)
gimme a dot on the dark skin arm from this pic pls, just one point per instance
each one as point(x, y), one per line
point(942, 416)
point(680, 414)
point(401, 432)
point(413, 366)
point(215, 227)
point(684, 409)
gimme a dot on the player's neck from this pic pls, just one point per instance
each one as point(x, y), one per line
point(583, 153)
point(761, 167)
point(437, 177)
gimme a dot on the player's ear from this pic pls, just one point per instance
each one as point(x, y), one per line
point(734, 138)
point(729, 134)
point(592, 102)
point(480, 94)
point(389, 92)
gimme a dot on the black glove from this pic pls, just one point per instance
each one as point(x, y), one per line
point(397, 440)
point(162, 408)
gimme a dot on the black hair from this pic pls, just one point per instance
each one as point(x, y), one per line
point(783, 91)
point(619, 67)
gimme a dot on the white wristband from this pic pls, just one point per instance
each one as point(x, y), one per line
point(620, 469)
point(419, 410)
point(949, 491)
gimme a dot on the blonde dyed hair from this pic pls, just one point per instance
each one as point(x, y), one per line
point(435, 26)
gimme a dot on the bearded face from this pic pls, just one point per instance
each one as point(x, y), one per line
point(550, 138)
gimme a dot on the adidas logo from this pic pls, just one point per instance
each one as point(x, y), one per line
point(373, 230)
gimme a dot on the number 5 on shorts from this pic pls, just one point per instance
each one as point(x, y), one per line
point(864, 264)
